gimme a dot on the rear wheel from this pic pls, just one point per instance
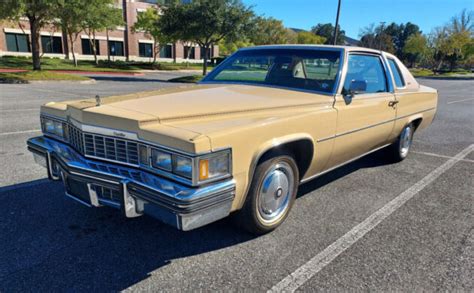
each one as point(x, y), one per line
point(399, 150)
point(271, 195)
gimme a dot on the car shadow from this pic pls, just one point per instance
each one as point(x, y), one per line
point(51, 242)
point(48, 241)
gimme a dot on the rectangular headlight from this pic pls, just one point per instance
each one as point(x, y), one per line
point(52, 126)
point(183, 166)
point(161, 160)
point(214, 166)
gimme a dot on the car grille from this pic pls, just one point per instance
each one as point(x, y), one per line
point(107, 193)
point(103, 147)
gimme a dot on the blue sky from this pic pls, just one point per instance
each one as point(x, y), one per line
point(357, 14)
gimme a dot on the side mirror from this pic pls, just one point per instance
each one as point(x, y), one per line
point(357, 87)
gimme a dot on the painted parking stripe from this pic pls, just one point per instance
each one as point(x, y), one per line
point(20, 110)
point(440, 156)
point(20, 132)
point(460, 101)
point(293, 281)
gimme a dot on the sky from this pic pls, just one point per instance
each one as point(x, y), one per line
point(357, 14)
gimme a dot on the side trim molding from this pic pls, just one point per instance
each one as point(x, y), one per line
point(371, 126)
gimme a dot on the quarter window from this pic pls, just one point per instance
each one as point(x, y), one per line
point(368, 69)
point(399, 82)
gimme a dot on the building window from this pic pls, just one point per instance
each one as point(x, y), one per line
point(116, 48)
point(87, 47)
point(52, 44)
point(209, 53)
point(145, 50)
point(166, 51)
point(189, 52)
point(18, 43)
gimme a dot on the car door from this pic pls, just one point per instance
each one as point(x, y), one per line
point(366, 108)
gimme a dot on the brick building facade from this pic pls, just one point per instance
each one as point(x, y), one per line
point(121, 43)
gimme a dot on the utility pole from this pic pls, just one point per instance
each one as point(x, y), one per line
point(337, 21)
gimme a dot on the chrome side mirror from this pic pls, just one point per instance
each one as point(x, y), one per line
point(357, 87)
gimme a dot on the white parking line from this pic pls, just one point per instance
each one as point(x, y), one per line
point(459, 101)
point(440, 156)
point(20, 132)
point(292, 282)
point(20, 110)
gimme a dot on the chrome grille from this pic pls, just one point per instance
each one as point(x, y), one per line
point(75, 138)
point(111, 148)
point(107, 193)
point(101, 146)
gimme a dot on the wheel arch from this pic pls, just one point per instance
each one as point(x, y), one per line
point(283, 145)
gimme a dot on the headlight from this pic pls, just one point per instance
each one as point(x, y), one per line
point(198, 169)
point(183, 166)
point(161, 160)
point(52, 126)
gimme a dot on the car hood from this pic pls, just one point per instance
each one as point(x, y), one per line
point(189, 114)
point(212, 100)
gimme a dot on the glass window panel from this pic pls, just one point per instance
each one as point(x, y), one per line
point(295, 68)
point(399, 81)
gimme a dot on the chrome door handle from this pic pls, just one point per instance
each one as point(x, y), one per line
point(392, 103)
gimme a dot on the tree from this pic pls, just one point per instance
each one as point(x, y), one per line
point(415, 48)
point(326, 30)
point(309, 38)
point(375, 37)
point(268, 31)
point(71, 13)
point(39, 13)
point(99, 15)
point(206, 22)
point(148, 22)
point(452, 43)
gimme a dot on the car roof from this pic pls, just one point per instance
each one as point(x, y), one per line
point(316, 47)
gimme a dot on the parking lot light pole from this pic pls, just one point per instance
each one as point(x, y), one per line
point(337, 21)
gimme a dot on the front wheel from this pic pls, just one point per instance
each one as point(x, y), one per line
point(399, 150)
point(271, 195)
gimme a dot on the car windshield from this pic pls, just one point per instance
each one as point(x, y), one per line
point(308, 69)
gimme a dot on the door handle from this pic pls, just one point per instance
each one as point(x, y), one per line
point(392, 103)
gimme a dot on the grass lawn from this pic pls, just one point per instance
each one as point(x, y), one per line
point(39, 75)
point(13, 62)
point(187, 79)
point(423, 72)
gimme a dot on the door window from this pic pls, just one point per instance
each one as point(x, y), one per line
point(366, 69)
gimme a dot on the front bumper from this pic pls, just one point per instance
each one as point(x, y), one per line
point(133, 191)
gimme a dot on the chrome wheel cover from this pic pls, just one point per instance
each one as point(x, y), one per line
point(405, 141)
point(275, 193)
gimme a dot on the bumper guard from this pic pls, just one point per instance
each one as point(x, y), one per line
point(95, 183)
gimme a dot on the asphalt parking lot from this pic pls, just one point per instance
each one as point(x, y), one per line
point(50, 243)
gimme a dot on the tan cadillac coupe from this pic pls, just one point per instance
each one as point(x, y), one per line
point(241, 141)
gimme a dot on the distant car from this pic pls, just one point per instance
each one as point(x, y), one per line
point(261, 123)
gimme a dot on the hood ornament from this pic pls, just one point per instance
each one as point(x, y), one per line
point(97, 100)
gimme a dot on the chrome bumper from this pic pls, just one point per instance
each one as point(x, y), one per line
point(136, 192)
